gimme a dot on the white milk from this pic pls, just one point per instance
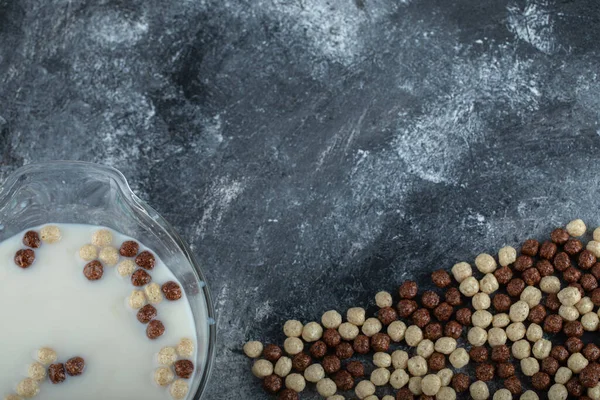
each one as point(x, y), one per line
point(52, 304)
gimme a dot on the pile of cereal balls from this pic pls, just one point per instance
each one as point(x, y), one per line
point(515, 326)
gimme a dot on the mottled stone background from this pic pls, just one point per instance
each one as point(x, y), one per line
point(325, 148)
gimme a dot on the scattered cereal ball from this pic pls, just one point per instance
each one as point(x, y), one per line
point(501, 320)
point(585, 305)
point(414, 385)
point(515, 331)
point(12, 397)
point(371, 327)
point(489, 284)
point(446, 393)
point(431, 384)
point(399, 378)
point(292, 328)
point(129, 248)
point(503, 394)
point(153, 293)
point(326, 387)
point(88, 252)
point(140, 278)
point(577, 362)
point(400, 359)
point(569, 296)
point(356, 316)
point(293, 346)
point(590, 321)
point(37, 372)
point(477, 336)
point(445, 375)
point(529, 395)
point(469, 286)
point(163, 376)
point(185, 348)
point(283, 367)
point(155, 329)
point(530, 366)
point(496, 337)
point(93, 270)
point(24, 258)
point(507, 255)
point(184, 368)
point(146, 313)
point(481, 301)
point(179, 389)
point(563, 375)
point(348, 331)
point(485, 263)
point(262, 368)
point(461, 271)
point(314, 373)
point(380, 377)
point(396, 330)
point(459, 358)
point(338, 397)
point(576, 228)
point(417, 366)
point(28, 388)
point(519, 311)
point(596, 234)
point(312, 332)
point(331, 319)
point(541, 349)
point(479, 390)
point(594, 393)
point(481, 318)
point(593, 247)
point(145, 260)
point(568, 313)
point(531, 295)
point(75, 366)
point(550, 284)
point(382, 360)
point(557, 392)
point(534, 332)
point(445, 345)
point(295, 382)
point(137, 299)
point(126, 268)
point(50, 234)
point(57, 373)
point(168, 355)
point(364, 389)
point(413, 335)
point(521, 349)
point(425, 348)
point(109, 255)
point(101, 238)
point(383, 299)
point(31, 239)
point(46, 356)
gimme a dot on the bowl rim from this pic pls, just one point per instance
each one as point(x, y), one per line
point(10, 184)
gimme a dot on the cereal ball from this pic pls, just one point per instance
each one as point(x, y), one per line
point(185, 348)
point(396, 330)
point(501, 320)
point(380, 377)
point(461, 271)
point(576, 228)
point(37, 372)
point(513, 384)
point(557, 392)
point(463, 316)
point(503, 394)
point(521, 349)
point(28, 387)
point(326, 387)
point(460, 382)
point(56, 373)
point(331, 319)
point(441, 278)
point(383, 299)
point(577, 362)
point(550, 284)
point(414, 385)
point(293, 346)
point(431, 384)
point(485, 263)
point(469, 286)
point(446, 393)
point(344, 350)
point(283, 367)
point(46, 356)
point(137, 299)
point(371, 326)
point(459, 358)
point(15, 397)
point(563, 375)
point(425, 348)
point(292, 328)
point(534, 332)
point(507, 255)
point(129, 248)
point(102, 238)
point(569, 296)
point(145, 260)
point(272, 384)
point(140, 278)
point(348, 331)
point(529, 395)
point(477, 336)
point(153, 293)
point(568, 313)
point(262, 368)
point(24, 258)
point(479, 390)
point(312, 332)
point(168, 355)
point(481, 301)
point(481, 318)
point(364, 389)
point(314, 373)
point(163, 376)
point(289, 394)
point(356, 316)
point(413, 335)
point(453, 329)
point(382, 360)
point(519, 311)
point(179, 389)
point(295, 382)
point(489, 284)
point(399, 378)
point(301, 361)
point(126, 268)
point(515, 331)
point(50, 234)
point(445, 376)
point(590, 321)
point(93, 270)
point(400, 359)
point(331, 337)
point(340, 397)
point(417, 366)
point(530, 366)
point(88, 252)
point(172, 291)
point(574, 345)
point(75, 366)
point(317, 350)
point(109, 255)
point(593, 393)
point(593, 247)
point(531, 295)
point(155, 329)
point(479, 354)
point(496, 337)
point(406, 307)
point(445, 345)
point(541, 349)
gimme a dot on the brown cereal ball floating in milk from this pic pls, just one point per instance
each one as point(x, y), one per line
point(576, 228)
point(145, 260)
point(172, 291)
point(28, 388)
point(331, 319)
point(129, 248)
point(137, 299)
point(168, 355)
point(37, 372)
point(102, 237)
point(179, 389)
point(93, 270)
point(292, 328)
point(163, 376)
point(126, 268)
point(155, 329)
point(32, 239)
point(153, 293)
point(109, 256)
point(46, 356)
point(185, 347)
point(146, 313)
point(184, 368)
point(57, 373)
point(24, 258)
point(140, 278)
point(50, 234)
point(88, 252)
point(75, 366)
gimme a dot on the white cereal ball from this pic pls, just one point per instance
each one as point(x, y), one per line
point(413, 335)
point(28, 388)
point(364, 389)
point(371, 327)
point(179, 389)
point(519, 311)
point(399, 378)
point(459, 358)
point(569, 296)
point(431, 384)
point(386, 397)
point(326, 387)
point(15, 397)
point(137, 299)
point(292, 328)
point(584, 305)
point(109, 256)
point(337, 397)
point(382, 360)
point(312, 332)
point(507, 255)
point(503, 394)
point(541, 349)
point(283, 367)
point(576, 228)
point(481, 301)
point(425, 348)
point(396, 330)
point(380, 377)
point(185, 347)
point(477, 336)
point(102, 237)
point(593, 246)
point(383, 299)
point(469, 286)
point(481, 318)
point(515, 331)
point(485, 263)
point(590, 321)
point(558, 392)
point(529, 395)
point(46, 356)
point(168, 355)
point(445, 375)
point(126, 267)
point(594, 393)
point(597, 234)
point(163, 376)
point(496, 337)
point(50, 234)
point(88, 252)
point(532, 296)
point(568, 313)
point(372, 397)
point(400, 359)
point(550, 284)
point(530, 366)
point(293, 346)
point(414, 385)
point(479, 390)
point(461, 271)
point(488, 284)
point(534, 332)
point(446, 393)
point(445, 345)
point(37, 372)
point(577, 362)
point(356, 316)
point(314, 373)
point(563, 375)
point(153, 293)
point(501, 320)
point(262, 368)
point(295, 382)
point(331, 319)
point(521, 349)
point(348, 331)
point(417, 366)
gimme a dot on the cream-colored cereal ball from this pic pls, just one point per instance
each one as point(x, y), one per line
point(503, 394)
point(515, 331)
point(481, 318)
point(109, 255)
point(126, 268)
point(153, 293)
point(413, 335)
point(590, 321)
point(380, 377)
point(50, 234)
point(371, 327)
point(532, 296)
point(283, 367)
point(312, 332)
point(179, 389)
point(550, 284)
point(163, 376)
point(396, 330)
point(28, 387)
point(414, 385)
point(469, 286)
point(507, 255)
point(530, 366)
point(501, 320)
point(461, 271)
point(479, 390)
point(593, 246)
point(314, 373)
point(521, 349)
point(262, 368)
point(46, 355)
point(485, 263)
point(529, 395)
point(399, 378)
point(541, 349)
point(88, 252)
point(101, 238)
point(12, 397)
point(348, 331)
point(417, 366)
point(292, 328)
point(372, 397)
point(382, 360)
point(557, 392)
point(137, 299)
point(496, 337)
point(459, 358)
point(519, 311)
point(400, 359)
point(445, 375)
point(331, 319)
point(364, 389)
point(596, 234)
point(168, 355)
point(295, 382)
point(563, 375)
point(37, 372)
point(446, 393)
point(568, 313)
point(534, 332)
point(386, 397)
point(577, 362)
point(569, 296)
point(337, 397)
point(356, 316)
point(576, 228)
point(293, 346)
point(594, 393)
point(477, 336)
point(488, 284)
point(481, 301)
point(584, 305)
point(185, 347)
point(326, 387)
point(425, 348)
point(431, 384)
point(383, 299)
point(445, 345)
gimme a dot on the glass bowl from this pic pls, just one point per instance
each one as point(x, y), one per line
point(86, 193)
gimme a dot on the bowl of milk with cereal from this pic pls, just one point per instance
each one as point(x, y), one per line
point(101, 298)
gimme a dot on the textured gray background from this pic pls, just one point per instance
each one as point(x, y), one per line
point(324, 149)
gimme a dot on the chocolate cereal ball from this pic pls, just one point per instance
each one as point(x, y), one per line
point(145, 260)
point(387, 315)
point(553, 323)
point(272, 352)
point(344, 380)
point(32, 239)
point(561, 261)
point(443, 312)
point(272, 384)
point(436, 362)
point(513, 384)
point(586, 259)
point(344, 350)
point(301, 361)
point(463, 316)
point(421, 317)
point(503, 275)
point(75, 366)
point(356, 369)
point(24, 258)
point(433, 331)
point(453, 296)
point(505, 370)
point(484, 372)
point(550, 365)
point(288, 394)
point(500, 354)
point(361, 344)
point(591, 352)
point(453, 329)
point(129, 248)
point(515, 287)
point(441, 278)
point(574, 387)
point(57, 373)
point(380, 342)
point(590, 375)
point(331, 364)
point(406, 307)
point(184, 368)
point(147, 313)
point(501, 302)
point(548, 250)
point(408, 290)
point(430, 299)
point(155, 329)
point(140, 278)
point(544, 267)
point(171, 290)
point(331, 337)
point(540, 381)
point(552, 302)
point(478, 354)
point(318, 349)
point(530, 247)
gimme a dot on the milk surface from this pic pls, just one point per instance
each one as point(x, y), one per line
point(52, 304)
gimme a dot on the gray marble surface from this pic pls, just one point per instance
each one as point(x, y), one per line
point(315, 151)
